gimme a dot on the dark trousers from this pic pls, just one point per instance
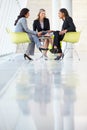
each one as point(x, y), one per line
point(57, 39)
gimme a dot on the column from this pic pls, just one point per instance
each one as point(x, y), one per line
point(23, 3)
point(68, 5)
point(55, 8)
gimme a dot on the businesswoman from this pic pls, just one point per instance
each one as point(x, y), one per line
point(67, 26)
point(42, 24)
point(21, 26)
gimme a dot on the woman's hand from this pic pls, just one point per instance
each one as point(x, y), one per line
point(39, 34)
point(50, 31)
point(62, 32)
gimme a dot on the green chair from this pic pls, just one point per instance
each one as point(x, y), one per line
point(71, 37)
point(18, 37)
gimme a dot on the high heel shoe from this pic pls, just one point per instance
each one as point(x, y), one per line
point(59, 57)
point(42, 49)
point(26, 56)
point(54, 51)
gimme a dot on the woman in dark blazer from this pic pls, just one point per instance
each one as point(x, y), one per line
point(67, 26)
point(42, 24)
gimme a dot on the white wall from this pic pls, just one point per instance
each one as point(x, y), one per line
point(8, 13)
point(23, 3)
point(35, 5)
point(9, 10)
point(80, 17)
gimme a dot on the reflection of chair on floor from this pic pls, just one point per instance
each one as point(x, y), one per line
point(71, 37)
point(18, 37)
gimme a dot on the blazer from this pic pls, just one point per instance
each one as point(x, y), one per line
point(37, 26)
point(69, 25)
point(21, 26)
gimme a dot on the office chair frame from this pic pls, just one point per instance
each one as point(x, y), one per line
point(67, 49)
point(71, 38)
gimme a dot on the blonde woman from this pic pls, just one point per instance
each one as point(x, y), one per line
point(42, 24)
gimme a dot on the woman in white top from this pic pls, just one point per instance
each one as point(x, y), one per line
point(43, 24)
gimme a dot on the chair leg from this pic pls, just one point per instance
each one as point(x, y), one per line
point(66, 49)
point(76, 53)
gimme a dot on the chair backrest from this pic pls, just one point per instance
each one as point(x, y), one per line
point(18, 37)
point(72, 37)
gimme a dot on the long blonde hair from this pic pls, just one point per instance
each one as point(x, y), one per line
point(41, 10)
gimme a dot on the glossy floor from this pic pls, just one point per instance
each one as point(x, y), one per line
point(45, 95)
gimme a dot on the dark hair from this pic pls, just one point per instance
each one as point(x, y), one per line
point(23, 12)
point(63, 10)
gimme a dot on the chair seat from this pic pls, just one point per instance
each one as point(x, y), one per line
point(18, 37)
point(72, 37)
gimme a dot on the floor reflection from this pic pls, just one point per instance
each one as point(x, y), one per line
point(46, 95)
point(64, 98)
point(33, 93)
point(45, 98)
